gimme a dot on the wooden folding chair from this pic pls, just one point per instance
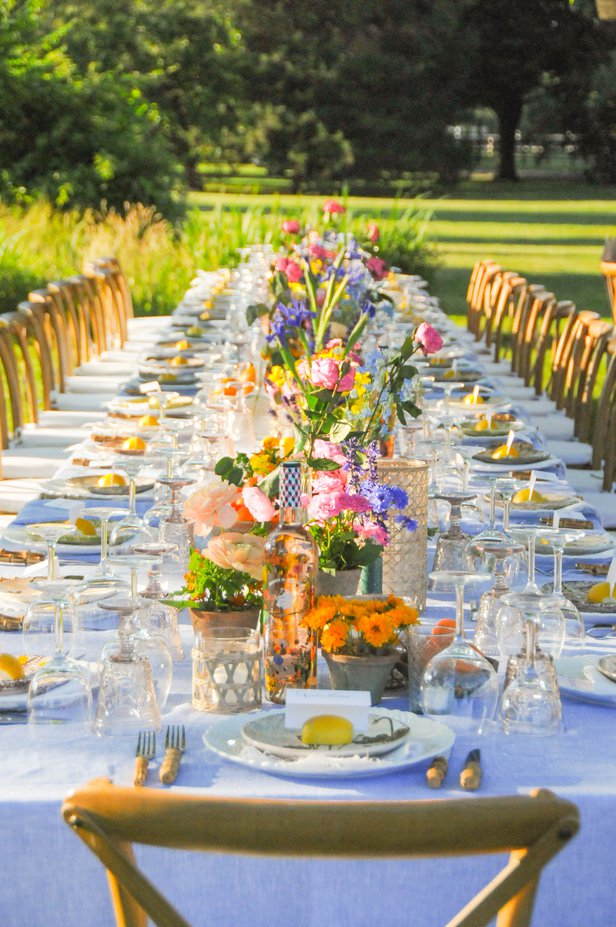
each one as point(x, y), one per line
point(503, 299)
point(608, 269)
point(481, 277)
point(532, 829)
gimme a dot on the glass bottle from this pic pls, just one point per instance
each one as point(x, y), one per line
point(291, 564)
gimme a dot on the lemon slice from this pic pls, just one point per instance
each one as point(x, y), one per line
point(10, 667)
point(148, 421)
point(86, 527)
point(110, 479)
point(178, 361)
point(134, 443)
point(482, 425)
point(599, 593)
point(471, 400)
point(524, 496)
point(327, 730)
point(504, 451)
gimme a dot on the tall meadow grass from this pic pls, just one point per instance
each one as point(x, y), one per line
point(39, 243)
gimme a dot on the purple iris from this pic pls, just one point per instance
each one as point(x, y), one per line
point(287, 317)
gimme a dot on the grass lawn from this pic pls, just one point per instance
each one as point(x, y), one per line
point(551, 231)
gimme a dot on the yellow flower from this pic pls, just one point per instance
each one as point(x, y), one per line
point(287, 446)
point(334, 636)
point(269, 444)
point(261, 464)
point(277, 376)
point(376, 628)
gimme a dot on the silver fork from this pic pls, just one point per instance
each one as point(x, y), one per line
point(175, 745)
point(146, 748)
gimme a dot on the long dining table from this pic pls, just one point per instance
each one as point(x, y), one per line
point(49, 878)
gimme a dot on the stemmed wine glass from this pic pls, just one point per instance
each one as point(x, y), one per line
point(501, 555)
point(531, 701)
point(50, 533)
point(147, 640)
point(506, 487)
point(131, 527)
point(459, 686)
point(60, 692)
point(559, 538)
point(451, 548)
point(175, 529)
point(161, 617)
point(104, 514)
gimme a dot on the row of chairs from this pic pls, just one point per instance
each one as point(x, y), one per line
point(557, 360)
point(63, 351)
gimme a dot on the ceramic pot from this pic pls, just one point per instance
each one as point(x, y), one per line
point(344, 582)
point(369, 672)
point(204, 620)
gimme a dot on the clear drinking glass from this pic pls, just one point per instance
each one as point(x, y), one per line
point(498, 558)
point(531, 701)
point(50, 533)
point(459, 686)
point(559, 538)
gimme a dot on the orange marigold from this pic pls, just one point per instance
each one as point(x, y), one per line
point(376, 628)
point(319, 616)
point(334, 636)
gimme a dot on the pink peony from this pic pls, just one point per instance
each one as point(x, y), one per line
point(258, 504)
point(327, 450)
point(318, 252)
point(428, 338)
point(377, 267)
point(333, 207)
point(372, 532)
point(235, 551)
point(329, 481)
point(324, 373)
point(211, 506)
point(292, 270)
point(373, 231)
point(328, 505)
point(291, 226)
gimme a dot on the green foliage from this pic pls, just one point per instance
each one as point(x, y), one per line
point(216, 588)
point(598, 142)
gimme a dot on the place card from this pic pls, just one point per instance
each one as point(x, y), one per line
point(302, 704)
point(151, 386)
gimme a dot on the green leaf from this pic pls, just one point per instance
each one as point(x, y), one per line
point(256, 311)
point(322, 463)
point(339, 432)
point(407, 348)
point(408, 371)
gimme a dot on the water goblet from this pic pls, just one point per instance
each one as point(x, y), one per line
point(50, 533)
point(451, 548)
point(103, 514)
point(506, 488)
point(498, 558)
point(559, 538)
point(511, 622)
point(459, 686)
point(531, 701)
point(161, 617)
point(174, 528)
point(55, 605)
point(130, 528)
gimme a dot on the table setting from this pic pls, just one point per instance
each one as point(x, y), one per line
point(289, 495)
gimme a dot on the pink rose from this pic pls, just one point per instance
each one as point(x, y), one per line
point(428, 338)
point(377, 267)
point(373, 231)
point(333, 343)
point(292, 270)
point(327, 450)
point(211, 506)
point(291, 226)
point(258, 504)
point(324, 373)
point(329, 481)
point(235, 551)
point(318, 252)
point(372, 532)
point(333, 207)
point(328, 505)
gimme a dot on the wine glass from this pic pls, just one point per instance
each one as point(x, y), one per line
point(531, 701)
point(459, 686)
point(511, 622)
point(498, 558)
point(161, 617)
point(59, 692)
point(451, 547)
point(127, 698)
point(50, 533)
point(175, 529)
point(104, 514)
point(132, 527)
point(147, 640)
point(39, 624)
point(559, 538)
point(506, 488)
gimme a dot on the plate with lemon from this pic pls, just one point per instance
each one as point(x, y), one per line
point(327, 746)
point(520, 452)
point(539, 501)
point(483, 428)
point(15, 675)
point(108, 484)
point(595, 598)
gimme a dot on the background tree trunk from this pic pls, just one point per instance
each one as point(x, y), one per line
point(508, 121)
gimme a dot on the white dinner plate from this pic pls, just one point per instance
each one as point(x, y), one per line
point(579, 678)
point(267, 732)
point(427, 739)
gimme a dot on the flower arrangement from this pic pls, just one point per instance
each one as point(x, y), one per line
point(224, 576)
point(357, 627)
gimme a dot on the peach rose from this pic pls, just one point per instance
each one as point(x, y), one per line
point(211, 506)
point(235, 551)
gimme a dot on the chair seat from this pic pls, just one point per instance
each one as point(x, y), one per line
point(540, 406)
point(36, 463)
point(54, 418)
point(14, 494)
point(48, 436)
point(94, 384)
point(557, 426)
point(572, 453)
point(76, 402)
point(103, 368)
point(605, 504)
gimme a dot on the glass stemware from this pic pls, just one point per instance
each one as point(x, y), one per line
point(451, 547)
point(459, 686)
point(161, 617)
point(103, 514)
point(499, 559)
point(38, 629)
point(559, 538)
point(50, 533)
point(175, 528)
point(531, 701)
point(127, 699)
point(132, 527)
point(59, 692)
